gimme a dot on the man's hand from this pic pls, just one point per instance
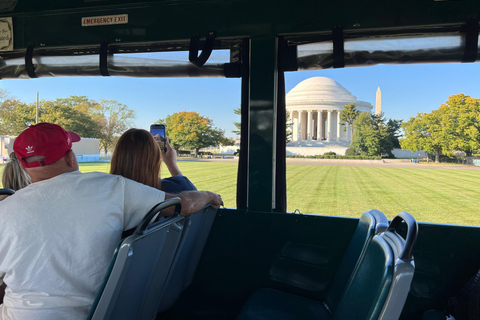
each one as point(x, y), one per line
point(193, 201)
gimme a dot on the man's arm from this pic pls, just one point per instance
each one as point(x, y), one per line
point(193, 201)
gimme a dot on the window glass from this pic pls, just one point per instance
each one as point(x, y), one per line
point(443, 97)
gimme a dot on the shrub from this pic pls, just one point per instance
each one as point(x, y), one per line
point(350, 152)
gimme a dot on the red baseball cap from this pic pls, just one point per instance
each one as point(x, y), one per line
point(44, 139)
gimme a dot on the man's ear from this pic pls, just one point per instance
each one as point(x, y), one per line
point(70, 158)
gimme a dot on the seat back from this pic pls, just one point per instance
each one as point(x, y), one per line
point(188, 255)
point(368, 289)
point(404, 265)
point(381, 221)
point(139, 268)
point(370, 223)
point(381, 282)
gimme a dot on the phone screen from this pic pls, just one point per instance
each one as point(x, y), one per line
point(158, 133)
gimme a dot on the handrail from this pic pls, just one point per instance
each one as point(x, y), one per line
point(155, 210)
point(412, 231)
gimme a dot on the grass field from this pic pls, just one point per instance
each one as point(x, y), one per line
point(431, 195)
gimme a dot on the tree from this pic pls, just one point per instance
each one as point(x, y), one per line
point(238, 125)
point(72, 117)
point(425, 132)
point(190, 130)
point(460, 116)
point(15, 116)
point(114, 118)
point(453, 126)
point(348, 115)
point(393, 130)
point(224, 141)
point(289, 132)
point(372, 134)
point(365, 139)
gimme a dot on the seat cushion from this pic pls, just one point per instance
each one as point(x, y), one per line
point(273, 304)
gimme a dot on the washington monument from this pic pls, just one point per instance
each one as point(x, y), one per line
point(378, 103)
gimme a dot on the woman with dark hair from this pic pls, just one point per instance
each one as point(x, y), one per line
point(138, 157)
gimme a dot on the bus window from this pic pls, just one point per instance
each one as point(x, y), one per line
point(336, 166)
point(183, 90)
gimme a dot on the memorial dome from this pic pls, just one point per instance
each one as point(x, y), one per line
point(319, 91)
point(322, 92)
point(314, 106)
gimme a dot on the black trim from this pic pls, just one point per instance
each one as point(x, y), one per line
point(281, 148)
point(103, 63)
point(29, 67)
point(471, 40)
point(199, 60)
point(242, 174)
point(338, 47)
point(287, 56)
point(232, 70)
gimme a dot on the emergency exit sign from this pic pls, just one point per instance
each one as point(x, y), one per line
point(104, 20)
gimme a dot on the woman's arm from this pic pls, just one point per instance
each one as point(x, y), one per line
point(170, 160)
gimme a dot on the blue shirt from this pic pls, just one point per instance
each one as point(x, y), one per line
point(177, 184)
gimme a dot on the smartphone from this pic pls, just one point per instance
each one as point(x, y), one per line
point(160, 135)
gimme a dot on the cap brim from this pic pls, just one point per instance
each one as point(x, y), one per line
point(75, 137)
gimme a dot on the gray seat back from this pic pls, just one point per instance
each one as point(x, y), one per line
point(139, 268)
point(381, 221)
point(369, 224)
point(367, 291)
point(188, 255)
point(404, 265)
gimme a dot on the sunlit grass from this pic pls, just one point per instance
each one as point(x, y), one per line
point(431, 195)
point(440, 195)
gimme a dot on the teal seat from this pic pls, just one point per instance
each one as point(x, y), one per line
point(376, 289)
point(371, 223)
point(197, 229)
point(139, 268)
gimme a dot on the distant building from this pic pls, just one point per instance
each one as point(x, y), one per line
point(314, 106)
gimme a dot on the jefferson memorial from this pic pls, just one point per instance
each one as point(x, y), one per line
point(314, 107)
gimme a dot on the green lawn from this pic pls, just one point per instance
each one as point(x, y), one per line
point(431, 195)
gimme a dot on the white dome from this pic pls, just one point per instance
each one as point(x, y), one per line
point(322, 93)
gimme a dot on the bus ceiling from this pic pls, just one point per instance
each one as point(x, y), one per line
point(94, 38)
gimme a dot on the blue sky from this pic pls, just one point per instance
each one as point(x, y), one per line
point(406, 90)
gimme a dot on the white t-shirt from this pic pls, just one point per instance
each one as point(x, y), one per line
point(57, 238)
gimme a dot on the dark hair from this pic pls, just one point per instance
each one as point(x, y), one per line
point(137, 157)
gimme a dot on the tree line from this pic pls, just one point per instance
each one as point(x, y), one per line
point(106, 120)
point(454, 126)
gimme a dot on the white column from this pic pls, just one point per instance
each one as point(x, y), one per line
point(299, 125)
point(309, 126)
point(319, 125)
point(292, 125)
point(329, 125)
point(338, 125)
